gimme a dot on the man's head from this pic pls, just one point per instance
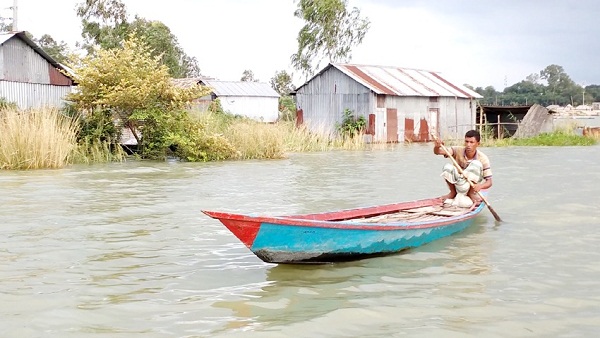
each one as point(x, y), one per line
point(472, 139)
point(473, 133)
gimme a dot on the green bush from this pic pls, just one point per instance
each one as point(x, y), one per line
point(5, 104)
point(351, 125)
point(287, 108)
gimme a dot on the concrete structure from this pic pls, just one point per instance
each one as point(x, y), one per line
point(400, 104)
point(28, 76)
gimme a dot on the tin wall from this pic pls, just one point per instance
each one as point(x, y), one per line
point(33, 95)
point(324, 99)
point(265, 109)
point(457, 116)
point(20, 63)
point(416, 120)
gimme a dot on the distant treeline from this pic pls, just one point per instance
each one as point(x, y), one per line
point(551, 86)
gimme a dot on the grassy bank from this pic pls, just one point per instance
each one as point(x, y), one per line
point(256, 140)
point(556, 139)
point(562, 136)
point(36, 139)
point(48, 139)
point(565, 136)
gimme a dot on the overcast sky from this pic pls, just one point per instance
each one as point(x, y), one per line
point(476, 42)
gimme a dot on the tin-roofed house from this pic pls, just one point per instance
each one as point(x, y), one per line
point(256, 100)
point(29, 76)
point(400, 104)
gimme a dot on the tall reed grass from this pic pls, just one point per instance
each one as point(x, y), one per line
point(257, 140)
point(88, 152)
point(34, 139)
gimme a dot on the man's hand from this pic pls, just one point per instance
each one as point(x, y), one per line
point(437, 148)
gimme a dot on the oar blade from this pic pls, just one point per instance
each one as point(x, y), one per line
point(496, 216)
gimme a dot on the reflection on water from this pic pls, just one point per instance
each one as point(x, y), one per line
point(298, 293)
point(123, 250)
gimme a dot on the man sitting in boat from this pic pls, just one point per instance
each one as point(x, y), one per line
point(475, 165)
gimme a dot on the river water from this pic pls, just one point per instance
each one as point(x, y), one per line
point(123, 250)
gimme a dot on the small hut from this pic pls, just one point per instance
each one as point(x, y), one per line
point(400, 104)
point(29, 76)
point(256, 100)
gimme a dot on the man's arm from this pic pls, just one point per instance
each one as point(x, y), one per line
point(437, 149)
point(483, 185)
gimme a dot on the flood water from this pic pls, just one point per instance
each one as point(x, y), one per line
point(123, 250)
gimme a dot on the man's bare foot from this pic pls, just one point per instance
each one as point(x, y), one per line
point(448, 197)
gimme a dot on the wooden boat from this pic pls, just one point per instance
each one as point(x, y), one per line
point(347, 234)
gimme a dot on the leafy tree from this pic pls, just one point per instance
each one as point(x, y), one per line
point(533, 78)
point(131, 86)
point(248, 76)
point(559, 89)
point(164, 44)
point(523, 92)
point(59, 51)
point(560, 86)
point(553, 74)
point(191, 66)
point(105, 25)
point(282, 83)
point(287, 108)
point(593, 93)
point(489, 93)
point(5, 24)
point(330, 32)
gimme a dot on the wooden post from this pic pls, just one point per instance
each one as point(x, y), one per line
point(498, 126)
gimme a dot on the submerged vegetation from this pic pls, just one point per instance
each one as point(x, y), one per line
point(49, 138)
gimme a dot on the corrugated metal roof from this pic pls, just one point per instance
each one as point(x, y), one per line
point(7, 36)
point(21, 35)
point(186, 82)
point(230, 88)
point(241, 88)
point(399, 81)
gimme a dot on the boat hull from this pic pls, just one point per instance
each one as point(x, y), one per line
point(276, 244)
point(347, 234)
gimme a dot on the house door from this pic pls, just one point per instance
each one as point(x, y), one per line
point(299, 117)
point(434, 128)
point(392, 125)
point(409, 129)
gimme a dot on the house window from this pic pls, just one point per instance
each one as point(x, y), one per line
point(433, 99)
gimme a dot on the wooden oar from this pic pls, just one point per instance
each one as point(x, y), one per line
point(460, 171)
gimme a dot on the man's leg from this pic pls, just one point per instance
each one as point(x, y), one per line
point(474, 172)
point(452, 192)
point(449, 173)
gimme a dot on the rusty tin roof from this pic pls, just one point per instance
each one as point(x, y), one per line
point(397, 81)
